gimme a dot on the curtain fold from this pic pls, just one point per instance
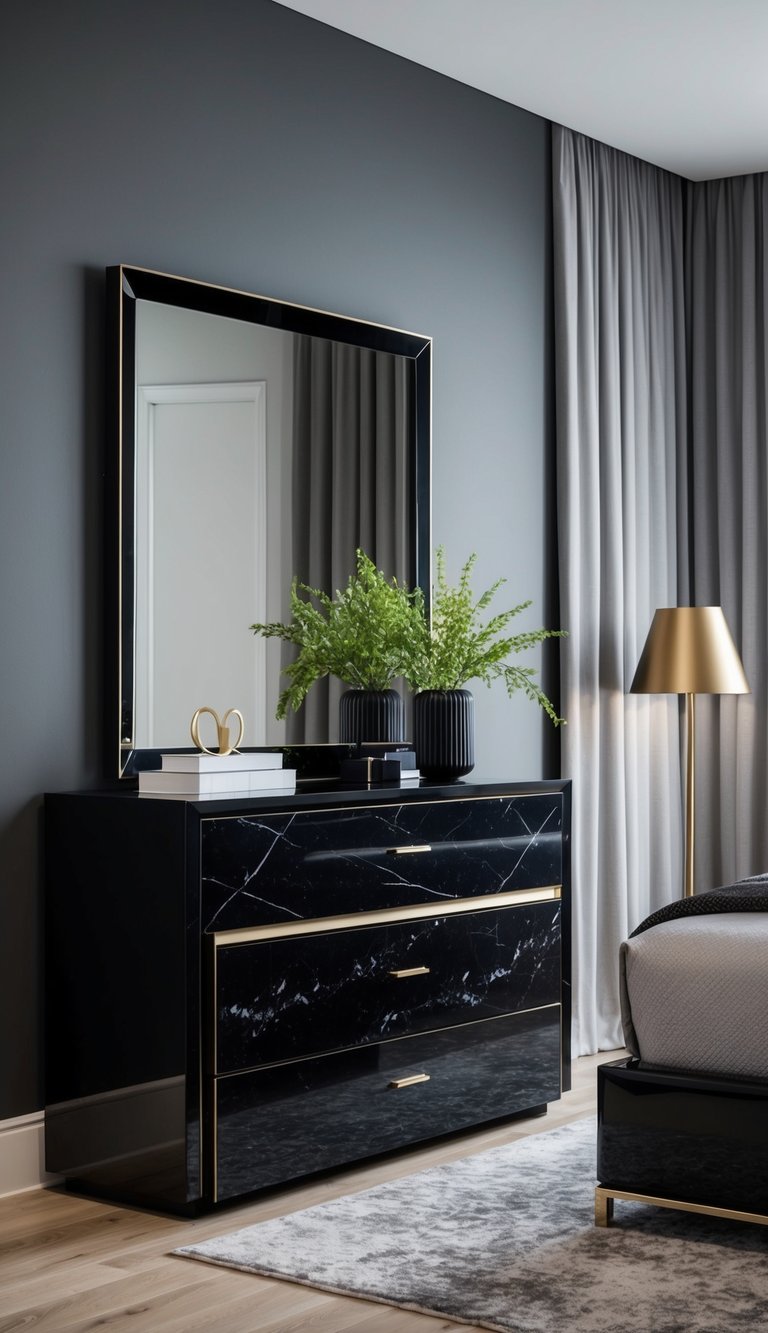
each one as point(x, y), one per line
point(622, 482)
point(727, 306)
point(353, 480)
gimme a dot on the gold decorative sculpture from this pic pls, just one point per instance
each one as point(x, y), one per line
point(226, 745)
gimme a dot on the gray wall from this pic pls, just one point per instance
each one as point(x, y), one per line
point(236, 141)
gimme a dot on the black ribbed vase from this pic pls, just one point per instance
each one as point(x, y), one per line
point(444, 733)
point(371, 715)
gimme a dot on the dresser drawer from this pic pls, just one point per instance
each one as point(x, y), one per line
point(278, 999)
point(279, 1123)
point(313, 863)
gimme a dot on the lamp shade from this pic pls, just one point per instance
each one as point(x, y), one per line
point(689, 650)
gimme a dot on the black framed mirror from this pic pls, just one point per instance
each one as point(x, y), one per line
point(252, 440)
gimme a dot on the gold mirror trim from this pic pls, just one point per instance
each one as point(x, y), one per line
point(126, 743)
point(386, 916)
point(604, 1207)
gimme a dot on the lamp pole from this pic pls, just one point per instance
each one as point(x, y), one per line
point(690, 771)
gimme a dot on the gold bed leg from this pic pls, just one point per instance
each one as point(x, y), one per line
point(603, 1207)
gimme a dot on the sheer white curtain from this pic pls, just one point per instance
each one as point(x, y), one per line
point(622, 485)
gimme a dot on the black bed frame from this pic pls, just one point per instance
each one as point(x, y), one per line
point(681, 1140)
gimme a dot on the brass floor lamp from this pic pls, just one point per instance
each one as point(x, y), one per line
point(689, 650)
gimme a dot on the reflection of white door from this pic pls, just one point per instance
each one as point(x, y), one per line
point(200, 556)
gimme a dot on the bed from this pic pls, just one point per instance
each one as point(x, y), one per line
point(683, 1120)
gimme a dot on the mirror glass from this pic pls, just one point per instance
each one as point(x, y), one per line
point(254, 441)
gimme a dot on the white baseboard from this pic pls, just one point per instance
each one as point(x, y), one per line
point(22, 1154)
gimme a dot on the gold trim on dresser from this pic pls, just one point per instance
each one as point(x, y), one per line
point(386, 915)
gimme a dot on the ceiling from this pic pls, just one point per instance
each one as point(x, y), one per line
point(681, 83)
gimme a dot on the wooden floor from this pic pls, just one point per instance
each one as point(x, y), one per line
point(73, 1264)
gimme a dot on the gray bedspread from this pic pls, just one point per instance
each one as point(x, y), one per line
point(694, 983)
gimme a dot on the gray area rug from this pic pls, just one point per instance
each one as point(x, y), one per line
point(505, 1240)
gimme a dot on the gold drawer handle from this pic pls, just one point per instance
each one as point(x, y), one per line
point(409, 1080)
point(409, 971)
point(409, 851)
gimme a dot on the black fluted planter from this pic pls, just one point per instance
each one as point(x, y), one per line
point(371, 715)
point(444, 733)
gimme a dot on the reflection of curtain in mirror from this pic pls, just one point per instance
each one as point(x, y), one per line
point(352, 482)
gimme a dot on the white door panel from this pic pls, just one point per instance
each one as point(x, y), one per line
point(202, 464)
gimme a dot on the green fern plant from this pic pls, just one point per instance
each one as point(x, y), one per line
point(460, 645)
point(363, 635)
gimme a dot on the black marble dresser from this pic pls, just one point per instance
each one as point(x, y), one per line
point(241, 992)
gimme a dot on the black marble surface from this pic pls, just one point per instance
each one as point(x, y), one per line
point(286, 998)
point(273, 868)
point(293, 1119)
point(130, 881)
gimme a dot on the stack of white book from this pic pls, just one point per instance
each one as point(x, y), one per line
point(200, 774)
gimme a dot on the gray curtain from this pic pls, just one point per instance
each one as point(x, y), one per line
point(353, 478)
point(727, 302)
point(622, 486)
